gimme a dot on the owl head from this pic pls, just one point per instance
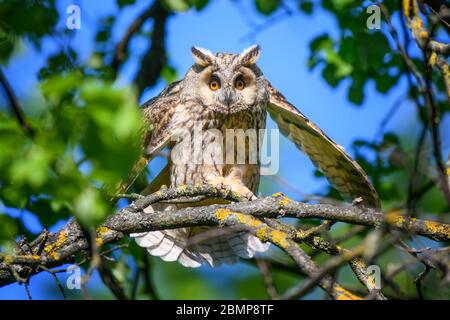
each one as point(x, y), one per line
point(225, 83)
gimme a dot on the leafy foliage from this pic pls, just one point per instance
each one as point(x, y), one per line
point(86, 138)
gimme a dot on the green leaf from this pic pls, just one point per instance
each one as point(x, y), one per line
point(306, 6)
point(90, 207)
point(356, 93)
point(33, 168)
point(123, 3)
point(49, 211)
point(199, 4)
point(329, 74)
point(385, 82)
point(320, 42)
point(8, 228)
point(177, 5)
point(169, 74)
point(267, 7)
point(340, 4)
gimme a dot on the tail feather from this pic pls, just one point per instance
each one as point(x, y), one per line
point(257, 245)
point(148, 239)
point(222, 253)
point(239, 243)
point(179, 240)
point(187, 259)
point(203, 253)
point(193, 247)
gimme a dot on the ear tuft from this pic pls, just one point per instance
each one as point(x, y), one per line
point(202, 57)
point(250, 55)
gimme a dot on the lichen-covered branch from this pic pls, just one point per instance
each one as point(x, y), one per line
point(434, 54)
point(60, 247)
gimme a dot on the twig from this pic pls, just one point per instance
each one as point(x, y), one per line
point(121, 48)
point(15, 106)
point(263, 267)
point(419, 280)
point(148, 283)
point(110, 280)
point(300, 290)
point(58, 283)
point(412, 199)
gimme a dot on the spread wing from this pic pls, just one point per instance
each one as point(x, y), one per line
point(342, 172)
point(157, 113)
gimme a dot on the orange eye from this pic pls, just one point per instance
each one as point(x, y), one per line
point(214, 84)
point(240, 84)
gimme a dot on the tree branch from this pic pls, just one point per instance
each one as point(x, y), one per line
point(60, 247)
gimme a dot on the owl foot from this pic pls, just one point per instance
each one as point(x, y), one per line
point(233, 185)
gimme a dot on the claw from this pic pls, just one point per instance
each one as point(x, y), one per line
point(230, 185)
point(224, 186)
point(249, 195)
point(252, 197)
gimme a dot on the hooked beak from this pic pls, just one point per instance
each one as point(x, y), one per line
point(227, 97)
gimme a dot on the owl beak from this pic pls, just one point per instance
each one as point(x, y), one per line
point(228, 97)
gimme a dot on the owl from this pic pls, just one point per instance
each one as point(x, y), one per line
point(219, 93)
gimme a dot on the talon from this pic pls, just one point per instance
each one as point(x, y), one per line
point(223, 186)
point(250, 196)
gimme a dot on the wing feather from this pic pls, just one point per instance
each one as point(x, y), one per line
point(157, 113)
point(342, 172)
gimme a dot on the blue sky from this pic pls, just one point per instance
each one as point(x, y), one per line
point(224, 26)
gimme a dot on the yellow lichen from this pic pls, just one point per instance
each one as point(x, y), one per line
point(248, 220)
point(344, 294)
point(433, 59)
point(392, 216)
point(395, 219)
point(222, 214)
point(279, 238)
point(99, 242)
point(55, 255)
point(436, 227)
point(24, 256)
point(406, 5)
point(7, 259)
point(423, 34)
point(284, 201)
point(102, 230)
point(278, 194)
point(301, 234)
point(62, 237)
point(261, 233)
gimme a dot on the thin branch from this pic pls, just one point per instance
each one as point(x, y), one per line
point(148, 283)
point(263, 267)
point(110, 280)
point(15, 106)
point(121, 48)
point(419, 279)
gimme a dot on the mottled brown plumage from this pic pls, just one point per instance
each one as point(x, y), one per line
point(221, 92)
point(341, 170)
